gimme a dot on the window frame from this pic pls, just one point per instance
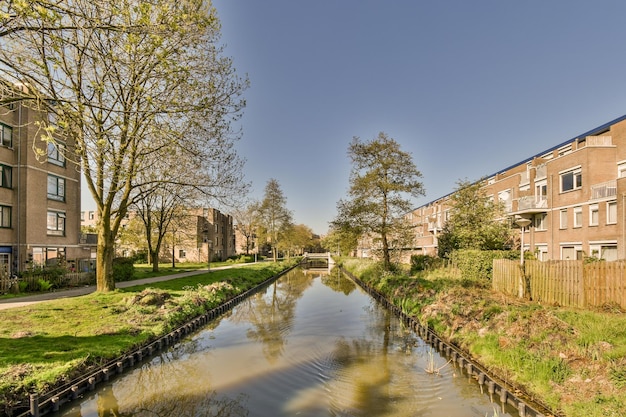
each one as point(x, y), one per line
point(563, 219)
point(576, 180)
point(59, 221)
point(56, 153)
point(3, 129)
point(5, 216)
point(6, 176)
point(578, 217)
point(540, 222)
point(611, 219)
point(60, 185)
point(594, 215)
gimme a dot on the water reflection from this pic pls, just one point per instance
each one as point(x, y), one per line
point(310, 345)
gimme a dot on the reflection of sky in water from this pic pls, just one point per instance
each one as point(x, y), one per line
point(302, 348)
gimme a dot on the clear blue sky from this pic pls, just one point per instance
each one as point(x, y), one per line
point(467, 87)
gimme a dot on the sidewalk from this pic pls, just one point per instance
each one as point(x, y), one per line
point(88, 289)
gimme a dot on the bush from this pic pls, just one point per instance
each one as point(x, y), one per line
point(424, 262)
point(123, 269)
point(478, 264)
point(44, 285)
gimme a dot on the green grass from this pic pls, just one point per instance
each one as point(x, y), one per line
point(46, 342)
point(573, 360)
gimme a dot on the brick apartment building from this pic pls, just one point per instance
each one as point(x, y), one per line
point(39, 195)
point(573, 193)
point(202, 233)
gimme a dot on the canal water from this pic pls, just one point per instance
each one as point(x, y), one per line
point(312, 344)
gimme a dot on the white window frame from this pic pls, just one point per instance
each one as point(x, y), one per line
point(621, 169)
point(611, 212)
point(577, 179)
point(540, 222)
point(563, 219)
point(594, 215)
point(578, 216)
point(576, 247)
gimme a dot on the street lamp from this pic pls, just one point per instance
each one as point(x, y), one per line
point(522, 222)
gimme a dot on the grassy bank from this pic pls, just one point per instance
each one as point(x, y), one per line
point(571, 360)
point(52, 342)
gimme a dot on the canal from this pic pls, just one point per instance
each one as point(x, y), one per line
point(312, 344)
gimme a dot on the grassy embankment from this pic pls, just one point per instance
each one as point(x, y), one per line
point(54, 341)
point(572, 360)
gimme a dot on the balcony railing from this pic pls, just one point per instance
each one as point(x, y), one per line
point(599, 140)
point(604, 190)
point(531, 203)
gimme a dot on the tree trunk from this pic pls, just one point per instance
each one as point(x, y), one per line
point(105, 281)
point(386, 258)
point(154, 254)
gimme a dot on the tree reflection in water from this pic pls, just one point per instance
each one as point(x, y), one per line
point(272, 313)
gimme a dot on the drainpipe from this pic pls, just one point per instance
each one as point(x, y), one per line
point(19, 189)
point(623, 226)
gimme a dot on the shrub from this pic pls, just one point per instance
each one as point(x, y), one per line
point(478, 264)
point(424, 262)
point(44, 285)
point(123, 269)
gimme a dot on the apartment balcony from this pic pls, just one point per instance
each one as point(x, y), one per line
point(531, 205)
point(604, 190)
point(434, 227)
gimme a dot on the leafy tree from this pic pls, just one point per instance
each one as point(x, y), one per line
point(274, 219)
point(298, 238)
point(127, 83)
point(340, 241)
point(381, 179)
point(475, 221)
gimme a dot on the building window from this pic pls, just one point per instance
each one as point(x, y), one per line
point(56, 153)
point(5, 216)
point(621, 169)
point(6, 135)
point(540, 221)
point(571, 180)
point(571, 253)
point(563, 218)
point(594, 215)
point(182, 253)
point(92, 215)
point(56, 223)
point(6, 176)
point(56, 188)
point(578, 217)
point(606, 251)
point(611, 212)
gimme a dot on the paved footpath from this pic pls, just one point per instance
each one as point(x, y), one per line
point(75, 292)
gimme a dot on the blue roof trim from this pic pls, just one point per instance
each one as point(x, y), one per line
point(592, 132)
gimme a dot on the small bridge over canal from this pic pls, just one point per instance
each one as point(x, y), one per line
point(317, 260)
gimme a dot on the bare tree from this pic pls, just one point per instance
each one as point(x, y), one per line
point(246, 219)
point(129, 83)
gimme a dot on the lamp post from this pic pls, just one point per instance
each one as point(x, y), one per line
point(522, 222)
point(524, 285)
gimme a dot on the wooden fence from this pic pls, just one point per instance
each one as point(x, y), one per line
point(567, 283)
